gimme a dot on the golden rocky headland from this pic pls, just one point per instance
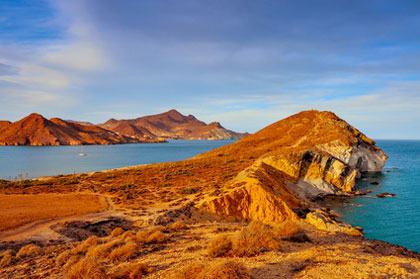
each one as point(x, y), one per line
point(245, 210)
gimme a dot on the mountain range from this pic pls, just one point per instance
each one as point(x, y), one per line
point(37, 130)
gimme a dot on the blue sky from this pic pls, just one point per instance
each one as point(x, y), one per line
point(243, 63)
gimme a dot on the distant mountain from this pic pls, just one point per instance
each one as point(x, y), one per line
point(171, 124)
point(86, 123)
point(37, 130)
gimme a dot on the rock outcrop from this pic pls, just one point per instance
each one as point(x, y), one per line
point(303, 156)
point(37, 130)
point(171, 124)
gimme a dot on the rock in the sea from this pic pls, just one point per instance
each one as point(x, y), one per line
point(385, 195)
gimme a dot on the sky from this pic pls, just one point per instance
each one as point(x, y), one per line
point(243, 63)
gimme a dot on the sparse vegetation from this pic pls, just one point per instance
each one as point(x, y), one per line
point(250, 241)
point(85, 268)
point(6, 258)
point(205, 270)
point(179, 225)
point(189, 191)
point(28, 250)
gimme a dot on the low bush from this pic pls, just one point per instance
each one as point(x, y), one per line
point(124, 252)
point(250, 241)
point(178, 226)
point(201, 270)
point(6, 258)
point(131, 271)
point(291, 231)
point(28, 250)
point(86, 268)
point(116, 232)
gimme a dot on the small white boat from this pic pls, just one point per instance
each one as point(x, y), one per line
point(81, 152)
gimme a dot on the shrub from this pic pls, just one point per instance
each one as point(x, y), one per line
point(145, 234)
point(128, 235)
point(188, 191)
point(63, 257)
point(101, 251)
point(28, 250)
point(124, 252)
point(6, 258)
point(178, 226)
point(254, 239)
point(131, 271)
point(250, 241)
point(287, 229)
point(157, 236)
point(292, 231)
point(116, 232)
point(84, 246)
point(220, 246)
point(86, 268)
point(224, 270)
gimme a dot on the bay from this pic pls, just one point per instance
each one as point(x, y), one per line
point(36, 161)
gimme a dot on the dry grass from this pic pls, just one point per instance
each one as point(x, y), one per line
point(16, 210)
point(220, 246)
point(6, 258)
point(107, 257)
point(177, 226)
point(201, 270)
point(250, 241)
point(156, 237)
point(86, 268)
point(122, 253)
point(153, 234)
point(131, 271)
point(28, 250)
point(116, 232)
point(103, 250)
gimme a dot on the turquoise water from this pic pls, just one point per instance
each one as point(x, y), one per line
point(36, 161)
point(395, 220)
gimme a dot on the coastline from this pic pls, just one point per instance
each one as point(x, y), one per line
point(219, 198)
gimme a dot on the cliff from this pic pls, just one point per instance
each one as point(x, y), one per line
point(37, 130)
point(171, 124)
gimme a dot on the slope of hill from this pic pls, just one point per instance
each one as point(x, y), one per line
point(171, 124)
point(36, 130)
point(4, 123)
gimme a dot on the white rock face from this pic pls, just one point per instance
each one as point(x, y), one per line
point(366, 158)
point(363, 157)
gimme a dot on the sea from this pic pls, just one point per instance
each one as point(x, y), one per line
point(392, 219)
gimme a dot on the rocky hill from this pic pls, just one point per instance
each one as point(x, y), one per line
point(171, 124)
point(301, 157)
point(37, 130)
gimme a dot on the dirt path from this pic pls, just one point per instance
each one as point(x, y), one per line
point(41, 230)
